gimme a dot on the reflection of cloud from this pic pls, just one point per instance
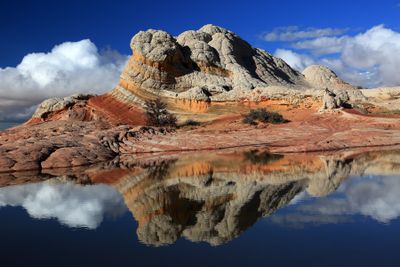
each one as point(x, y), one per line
point(377, 198)
point(71, 204)
point(299, 198)
point(299, 220)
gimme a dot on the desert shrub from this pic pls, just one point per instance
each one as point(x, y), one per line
point(191, 122)
point(262, 115)
point(249, 120)
point(158, 115)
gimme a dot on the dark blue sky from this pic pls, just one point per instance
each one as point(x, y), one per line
point(36, 26)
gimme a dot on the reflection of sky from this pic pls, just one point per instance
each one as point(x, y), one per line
point(377, 197)
point(71, 204)
point(6, 125)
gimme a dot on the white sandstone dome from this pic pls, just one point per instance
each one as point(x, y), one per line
point(319, 76)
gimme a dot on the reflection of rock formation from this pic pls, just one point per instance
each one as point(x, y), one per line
point(336, 171)
point(213, 197)
point(208, 207)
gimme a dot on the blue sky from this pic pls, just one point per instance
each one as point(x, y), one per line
point(36, 26)
point(56, 48)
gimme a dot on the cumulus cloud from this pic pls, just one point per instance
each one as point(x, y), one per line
point(295, 60)
point(71, 67)
point(323, 45)
point(292, 33)
point(72, 205)
point(370, 59)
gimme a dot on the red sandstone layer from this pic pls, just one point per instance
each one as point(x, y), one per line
point(67, 143)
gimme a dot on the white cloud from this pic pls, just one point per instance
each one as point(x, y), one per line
point(292, 33)
point(71, 67)
point(369, 59)
point(367, 77)
point(376, 198)
point(295, 60)
point(323, 45)
point(71, 204)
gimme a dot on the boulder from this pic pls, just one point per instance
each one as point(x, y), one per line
point(58, 103)
point(333, 100)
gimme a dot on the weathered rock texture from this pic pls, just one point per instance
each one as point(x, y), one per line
point(60, 143)
point(104, 108)
point(196, 71)
point(322, 77)
point(214, 64)
point(383, 100)
point(193, 71)
point(213, 59)
point(332, 100)
point(210, 75)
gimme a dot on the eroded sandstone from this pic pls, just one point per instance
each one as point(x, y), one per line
point(209, 75)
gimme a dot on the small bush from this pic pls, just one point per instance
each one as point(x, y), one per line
point(249, 120)
point(158, 115)
point(262, 115)
point(191, 122)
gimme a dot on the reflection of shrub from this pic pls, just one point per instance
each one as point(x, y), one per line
point(264, 157)
point(159, 170)
point(262, 115)
point(191, 122)
point(158, 115)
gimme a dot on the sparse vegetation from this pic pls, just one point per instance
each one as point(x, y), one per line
point(158, 115)
point(191, 122)
point(262, 115)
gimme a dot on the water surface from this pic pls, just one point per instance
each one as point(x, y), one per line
point(6, 125)
point(247, 208)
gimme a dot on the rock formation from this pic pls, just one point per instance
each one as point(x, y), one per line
point(211, 64)
point(333, 100)
point(322, 77)
point(198, 68)
point(209, 75)
point(211, 58)
point(56, 104)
